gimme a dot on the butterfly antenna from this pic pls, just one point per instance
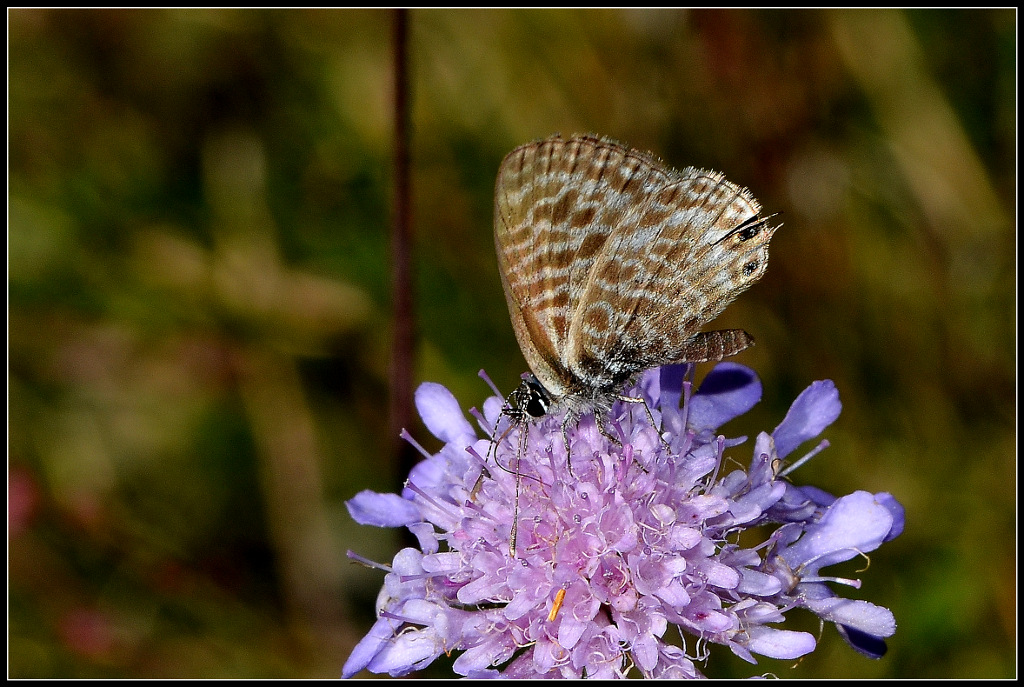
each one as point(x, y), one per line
point(515, 416)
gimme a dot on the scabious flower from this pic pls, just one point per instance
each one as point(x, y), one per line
point(636, 530)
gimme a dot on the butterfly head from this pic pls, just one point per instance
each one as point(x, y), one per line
point(530, 400)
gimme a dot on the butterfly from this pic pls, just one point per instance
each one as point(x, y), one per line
point(612, 263)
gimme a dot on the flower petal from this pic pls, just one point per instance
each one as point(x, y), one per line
point(442, 414)
point(854, 524)
point(405, 653)
point(860, 615)
point(671, 378)
point(368, 647)
point(897, 512)
point(494, 650)
point(728, 391)
point(383, 510)
point(814, 409)
point(774, 643)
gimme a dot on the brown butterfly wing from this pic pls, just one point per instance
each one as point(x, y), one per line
point(556, 203)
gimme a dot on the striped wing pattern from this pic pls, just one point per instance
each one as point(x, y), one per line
point(612, 262)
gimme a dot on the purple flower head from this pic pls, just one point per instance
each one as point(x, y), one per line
point(636, 534)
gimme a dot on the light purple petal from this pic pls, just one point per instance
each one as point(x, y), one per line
point(860, 615)
point(817, 496)
point(493, 651)
point(761, 465)
point(709, 621)
point(382, 510)
point(406, 652)
point(489, 674)
point(728, 391)
point(447, 562)
point(368, 647)
point(752, 504)
point(426, 536)
point(671, 378)
point(854, 524)
point(650, 384)
point(443, 415)
point(408, 561)
point(645, 652)
point(718, 575)
point(774, 643)
point(814, 409)
point(673, 594)
point(897, 512)
point(546, 654)
point(421, 611)
point(758, 583)
point(521, 604)
point(760, 613)
point(570, 630)
point(674, 665)
point(493, 406)
point(426, 474)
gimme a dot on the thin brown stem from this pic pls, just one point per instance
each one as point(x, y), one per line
point(401, 254)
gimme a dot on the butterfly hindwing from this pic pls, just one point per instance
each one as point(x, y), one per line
point(663, 274)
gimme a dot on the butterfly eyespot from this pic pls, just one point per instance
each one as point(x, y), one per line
point(750, 232)
point(750, 268)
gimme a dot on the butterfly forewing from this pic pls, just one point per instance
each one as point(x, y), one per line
point(556, 202)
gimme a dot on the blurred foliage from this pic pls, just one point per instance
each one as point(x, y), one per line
point(198, 290)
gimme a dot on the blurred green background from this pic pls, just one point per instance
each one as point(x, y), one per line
point(199, 301)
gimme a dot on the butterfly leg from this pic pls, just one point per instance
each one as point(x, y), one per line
point(516, 418)
point(608, 435)
point(573, 419)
